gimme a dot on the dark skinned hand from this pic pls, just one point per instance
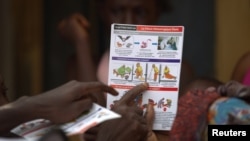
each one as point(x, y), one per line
point(64, 103)
point(132, 126)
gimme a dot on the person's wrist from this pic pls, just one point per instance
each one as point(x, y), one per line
point(25, 109)
point(82, 43)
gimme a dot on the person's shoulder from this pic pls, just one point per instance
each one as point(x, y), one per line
point(241, 67)
point(245, 57)
point(103, 67)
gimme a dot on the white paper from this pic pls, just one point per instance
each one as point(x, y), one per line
point(33, 130)
point(134, 50)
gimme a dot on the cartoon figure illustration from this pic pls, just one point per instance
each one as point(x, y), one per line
point(167, 74)
point(123, 71)
point(160, 103)
point(124, 39)
point(151, 101)
point(26, 126)
point(156, 72)
point(101, 114)
point(128, 45)
point(138, 71)
point(168, 103)
point(119, 44)
point(145, 43)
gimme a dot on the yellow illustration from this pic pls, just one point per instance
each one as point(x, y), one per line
point(167, 74)
point(156, 72)
point(139, 71)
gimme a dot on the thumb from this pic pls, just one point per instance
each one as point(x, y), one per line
point(82, 105)
point(150, 115)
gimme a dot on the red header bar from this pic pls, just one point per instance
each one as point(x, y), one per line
point(160, 28)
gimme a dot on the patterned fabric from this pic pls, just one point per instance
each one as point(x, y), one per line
point(229, 111)
point(191, 118)
point(229, 104)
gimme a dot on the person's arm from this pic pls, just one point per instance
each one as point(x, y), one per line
point(80, 67)
point(75, 30)
point(60, 105)
point(103, 68)
point(241, 67)
point(12, 115)
point(86, 68)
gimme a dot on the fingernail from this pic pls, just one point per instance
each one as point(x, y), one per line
point(211, 89)
point(145, 84)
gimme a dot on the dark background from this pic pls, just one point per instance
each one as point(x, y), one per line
point(196, 15)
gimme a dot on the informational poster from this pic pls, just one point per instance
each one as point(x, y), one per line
point(147, 53)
